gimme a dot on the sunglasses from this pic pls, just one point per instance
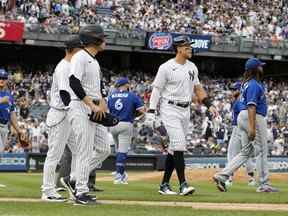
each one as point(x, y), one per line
point(3, 78)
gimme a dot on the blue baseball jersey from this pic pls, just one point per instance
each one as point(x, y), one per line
point(237, 106)
point(253, 93)
point(6, 108)
point(123, 104)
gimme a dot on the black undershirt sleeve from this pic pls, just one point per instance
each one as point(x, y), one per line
point(65, 97)
point(76, 86)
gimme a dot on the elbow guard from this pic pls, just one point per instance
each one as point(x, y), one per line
point(76, 86)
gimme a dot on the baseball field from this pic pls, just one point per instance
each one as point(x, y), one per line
point(20, 196)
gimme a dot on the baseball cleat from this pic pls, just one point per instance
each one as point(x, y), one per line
point(69, 185)
point(220, 183)
point(165, 189)
point(85, 199)
point(55, 197)
point(121, 179)
point(266, 188)
point(185, 189)
point(60, 189)
point(252, 182)
point(228, 183)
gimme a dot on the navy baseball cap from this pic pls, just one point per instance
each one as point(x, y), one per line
point(3, 74)
point(73, 42)
point(253, 63)
point(236, 86)
point(182, 40)
point(122, 81)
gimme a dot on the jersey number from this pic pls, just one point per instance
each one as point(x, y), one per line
point(118, 104)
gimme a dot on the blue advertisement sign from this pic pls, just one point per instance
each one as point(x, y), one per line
point(164, 41)
point(13, 162)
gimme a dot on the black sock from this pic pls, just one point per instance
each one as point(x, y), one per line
point(169, 167)
point(251, 174)
point(179, 165)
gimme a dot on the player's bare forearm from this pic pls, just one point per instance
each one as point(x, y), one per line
point(88, 101)
point(252, 117)
point(200, 92)
point(14, 122)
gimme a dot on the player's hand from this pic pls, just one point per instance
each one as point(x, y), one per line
point(150, 119)
point(98, 112)
point(213, 111)
point(4, 100)
point(251, 134)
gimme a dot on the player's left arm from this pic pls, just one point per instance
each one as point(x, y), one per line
point(13, 117)
point(204, 99)
point(139, 106)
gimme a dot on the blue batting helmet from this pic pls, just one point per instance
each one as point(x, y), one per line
point(3, 74)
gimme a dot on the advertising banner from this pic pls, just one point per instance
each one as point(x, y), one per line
point(11, 31)
point(13, 162)
point(164, 41)
point(275, 164)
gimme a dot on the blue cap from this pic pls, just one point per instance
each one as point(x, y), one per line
point(253, 63)
point(236, 85)
point(122, 81)
point(3, 74)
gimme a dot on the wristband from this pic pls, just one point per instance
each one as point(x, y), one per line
point(206, 101)
point(151, 111)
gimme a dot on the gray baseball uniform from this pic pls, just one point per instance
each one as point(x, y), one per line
point(234, 147)
point(249, 149)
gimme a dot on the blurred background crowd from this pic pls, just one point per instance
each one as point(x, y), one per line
point(206, 136)
point(255, 19)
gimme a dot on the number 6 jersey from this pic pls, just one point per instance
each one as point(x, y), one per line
point(123, 104)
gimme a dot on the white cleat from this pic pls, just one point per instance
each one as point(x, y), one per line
point(54, 197)
point(252, 182)
point(185, 189)
point(165, 189)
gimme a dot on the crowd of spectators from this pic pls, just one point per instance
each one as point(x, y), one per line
point(206, 136)
point(256, 19)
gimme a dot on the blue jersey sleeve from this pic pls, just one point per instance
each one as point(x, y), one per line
point(252, 94)
point(138, 103)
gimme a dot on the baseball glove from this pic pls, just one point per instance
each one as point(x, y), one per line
point(108, 121)
point(23, 140)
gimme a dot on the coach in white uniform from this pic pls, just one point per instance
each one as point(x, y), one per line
point(59, 133)
point(175, 84)
point(84, 81)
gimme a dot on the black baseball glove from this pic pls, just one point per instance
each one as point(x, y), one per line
point(108, 121)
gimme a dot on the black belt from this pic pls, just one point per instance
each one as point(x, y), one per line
point(180, 104)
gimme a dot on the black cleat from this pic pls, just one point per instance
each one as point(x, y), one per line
point(220, 183)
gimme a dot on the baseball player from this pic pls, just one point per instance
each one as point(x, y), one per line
point(234, 145)
point(253, 128)
point(86, 99)
point(175, 84)
point(60, 132)
point(124, 105)
point(7, 110)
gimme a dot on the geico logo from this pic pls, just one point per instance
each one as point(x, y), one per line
point(2, 30)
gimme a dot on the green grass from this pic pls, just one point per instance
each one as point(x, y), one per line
point(56, 209)
point(26, 185)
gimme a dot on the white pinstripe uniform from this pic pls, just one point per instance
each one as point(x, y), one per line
point(60, 132)
point(176, 83)
point(89, 136)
